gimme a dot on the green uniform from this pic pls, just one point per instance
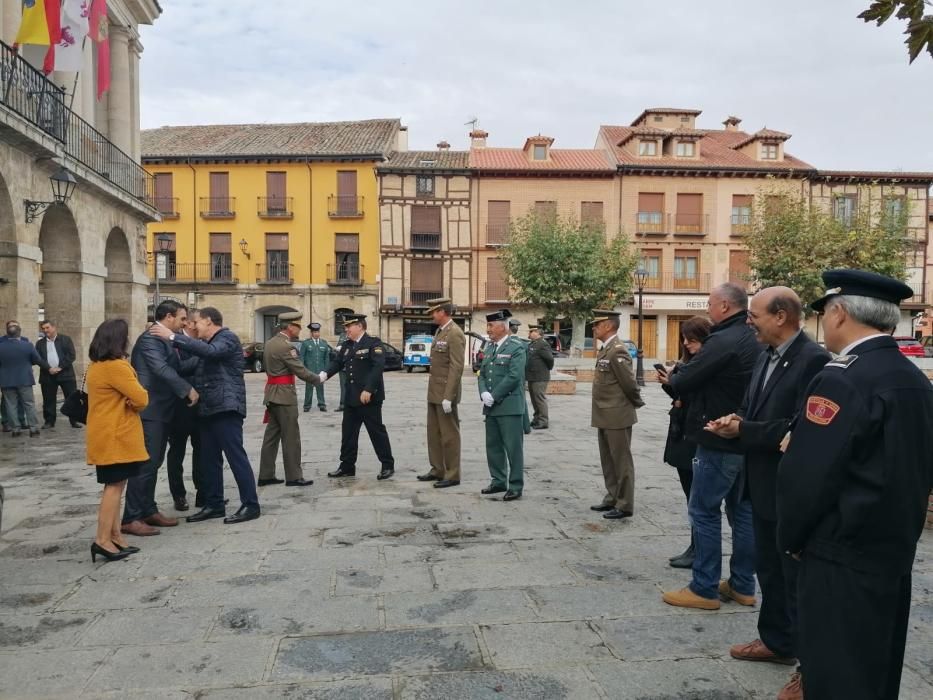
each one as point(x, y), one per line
point(526, 418)
point(447, 358)
point(538, 374)
point(502, 374)
point(315, 355)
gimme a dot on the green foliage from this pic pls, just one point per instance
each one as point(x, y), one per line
point(919, 26)
point(791, 243)
point(566, 267)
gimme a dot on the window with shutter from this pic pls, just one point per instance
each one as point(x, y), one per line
point(741, 214)
point(221, 252)
point(347, 204)
point(739, 271)
point(499, 216)
point(686, 269)
point(591, 214)
point(545, 211)
point(427, 281)
point(219, 200)
point(650, 218)
point(277, 267)
point(425, 228)
point(497, 288)
point(164, 197)
point(275, 193)
point(689, 217)
point(347, 257)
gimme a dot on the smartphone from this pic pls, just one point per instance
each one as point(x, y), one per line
point(660, 368)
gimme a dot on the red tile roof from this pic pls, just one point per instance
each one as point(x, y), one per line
point(764, 135)
point(666, 110)
point(717, 150)
point(868, 175)
point(561, 160)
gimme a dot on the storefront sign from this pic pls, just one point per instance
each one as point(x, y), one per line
point(696, 304)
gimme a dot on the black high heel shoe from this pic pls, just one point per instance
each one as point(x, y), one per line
point(109, 556)
point(129, 549)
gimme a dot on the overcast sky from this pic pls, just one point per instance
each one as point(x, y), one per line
point(841, 87)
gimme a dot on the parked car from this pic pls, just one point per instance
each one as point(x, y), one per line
point(478, 344)
point(557, 347)
point(927, 343)
point(393, 357)
point(632, 348)
point(417, 352)
point(252, 355)
point(909, 347)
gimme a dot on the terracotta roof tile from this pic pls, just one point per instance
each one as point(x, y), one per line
point(415, 160)
point(764, 135)
point(561, 160)
point(869, 175)
point(370, 137)
point(666, 110)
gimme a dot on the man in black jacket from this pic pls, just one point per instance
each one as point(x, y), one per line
point(58, 352)
point(159, 370)
point(773, 399)
point(363, 358)
point(852, 492)
point(717, 379)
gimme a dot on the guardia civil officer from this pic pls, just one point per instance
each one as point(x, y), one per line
point(852, 493)
point(280, 358)
point(501, 389)
point(514, 325)
point(363, 359)
point(316, 353)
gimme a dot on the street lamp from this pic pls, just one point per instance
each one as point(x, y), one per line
point(63, 185)
point(162, 245)
point(641, 277)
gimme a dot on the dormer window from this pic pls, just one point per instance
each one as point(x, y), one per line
point(540, 152)
point(647, 148)
point(685, 149)
point(769, 151)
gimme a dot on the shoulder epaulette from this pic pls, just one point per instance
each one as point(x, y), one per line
point(842, 361)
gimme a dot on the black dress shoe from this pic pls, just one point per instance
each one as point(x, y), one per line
point(446, 483)
point(307, 408)
point(341, 472)
point(96, 550)
point(270, 482)
point(339, 408)
point(493, 489)
point(323, 409)
point(385, 474)
point(242, 515)
point(206, 514)
point(428, 477)
point(181, 503)
point(47, 425)
point(616, 514)
point(129, 549)
point(73, 425)
point(299, 482)
point(512, 495)
point(602, 508)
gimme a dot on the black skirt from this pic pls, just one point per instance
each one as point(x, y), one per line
point(114, 473)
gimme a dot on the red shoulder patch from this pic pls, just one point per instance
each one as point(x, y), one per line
point(821, 410)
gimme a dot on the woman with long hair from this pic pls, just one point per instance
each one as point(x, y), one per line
point(115, 442)
point(678, 451)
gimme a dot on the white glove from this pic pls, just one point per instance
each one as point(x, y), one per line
point(447, 406)
point(323, 377)
point(488, 401)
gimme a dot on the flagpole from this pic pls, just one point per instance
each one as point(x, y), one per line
point(74, 88)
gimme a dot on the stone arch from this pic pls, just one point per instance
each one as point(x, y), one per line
point(118, 286)
point(265, 319)
point(60, 285)
point(8, 255)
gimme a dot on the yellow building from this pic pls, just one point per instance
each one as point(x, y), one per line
point(261, 219)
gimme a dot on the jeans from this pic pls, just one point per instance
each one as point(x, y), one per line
point(717, 477)
point(19, 403)
point(222, 436)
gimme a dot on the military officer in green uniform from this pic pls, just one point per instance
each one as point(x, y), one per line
point(538, 375)
point(514, 325)
point(280, 359)
point(316, 354)
point(501, 389)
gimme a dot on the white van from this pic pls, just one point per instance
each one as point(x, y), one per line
point(417, 352)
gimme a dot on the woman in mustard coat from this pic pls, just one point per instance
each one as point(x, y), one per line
point(114, 431)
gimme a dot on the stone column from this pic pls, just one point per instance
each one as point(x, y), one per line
point(120, 109)
point(135, 51)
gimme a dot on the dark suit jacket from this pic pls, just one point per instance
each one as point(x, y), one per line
point(767, 415)
point(363, 361)
point(159, 368)
point(66, 357)
point(17, 356)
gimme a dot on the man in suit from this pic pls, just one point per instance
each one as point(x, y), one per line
point(184, 427)
point(501, 389)
point(280, 358)
point(446, 375)
point(316, 353)
point(774, 396)
point(17, 356)
point(538, 375)
point(852, 493)
point(59, 353)
point(616, 397)
point(158, 367)
point(363, 359)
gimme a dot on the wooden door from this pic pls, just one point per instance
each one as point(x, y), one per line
point(674, 346)
point(649, 335)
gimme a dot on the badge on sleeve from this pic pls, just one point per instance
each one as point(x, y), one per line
point(294, 353)
point(378, 350)
point(821, 410)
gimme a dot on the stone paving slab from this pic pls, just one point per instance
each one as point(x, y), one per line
point(687, 679)
point(457, 608)
point(370, 689)
point(391, 579)
point(315, 616)
point(524, 645)
point(42, 631)
point(463, 575)
point(495, 685)
point(145, 625)
point(43, 674)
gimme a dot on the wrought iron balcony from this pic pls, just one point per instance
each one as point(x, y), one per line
point(345, 275)
point(419, 297)
point(190, 273)
point(497, 234)
point(342, 206)
point(425, 241)
point(691, 224)
point(673, 282)
point(27, 92)
point(275, 273)
point(275, 207)
point(218, 207)
point(653, 223)
point(167, 206)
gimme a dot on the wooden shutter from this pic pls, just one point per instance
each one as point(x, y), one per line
point(346, 183)
point(650, 202)
point(220, 243)
point(220, 186)
point(591, 213)
point(691, 204)
point(741, 200)
point(545, 210)
point(427, 275)
point(425, 219)
point(497, 228)
point(739, 270)
point(163, 187)
point(276, 241)
point(347, 243)
point(275, 185)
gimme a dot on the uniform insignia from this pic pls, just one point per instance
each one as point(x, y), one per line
point(821, 410)
point(378, 351)
point(504, 355)
point(294, 352)
point(842, 361)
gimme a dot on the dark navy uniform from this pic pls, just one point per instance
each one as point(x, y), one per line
point(363, 361)
point(852, 498)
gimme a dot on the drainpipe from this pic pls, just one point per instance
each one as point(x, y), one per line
point(194, 219)
point(310, 241)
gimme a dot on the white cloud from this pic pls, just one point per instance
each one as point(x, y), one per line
point(843, 88)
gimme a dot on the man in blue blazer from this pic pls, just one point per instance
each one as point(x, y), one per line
point(17, 356)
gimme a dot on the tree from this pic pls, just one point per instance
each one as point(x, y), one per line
point(792, 242)
point(919, 26)
point(567, 267)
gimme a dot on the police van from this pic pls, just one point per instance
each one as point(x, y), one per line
point(417, 352)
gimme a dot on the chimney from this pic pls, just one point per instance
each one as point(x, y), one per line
point(478, 138)
point(443, 146)
point(402, 139)
point(732, 123)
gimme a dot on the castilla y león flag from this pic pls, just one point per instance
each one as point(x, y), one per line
point(69, 51)
point(98, 31)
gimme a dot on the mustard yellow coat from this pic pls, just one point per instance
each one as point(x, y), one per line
point(114, 429)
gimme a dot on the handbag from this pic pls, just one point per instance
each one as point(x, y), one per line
point(75, 405)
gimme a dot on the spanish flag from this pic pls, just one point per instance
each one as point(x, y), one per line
point(41, 24)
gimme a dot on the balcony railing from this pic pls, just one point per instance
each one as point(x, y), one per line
point(672, 282)
point(346, 275)
point(497, 234)
point(344, 206)
point(187, 273)
point(691, 224)
point(218, 207)
point(27, 92)
point(420, 297)
point(167, 206)
point(496, 291)
point(275, 207)
point(741, 224)
point(425, 241)
point(275, 273)
point(652, 222)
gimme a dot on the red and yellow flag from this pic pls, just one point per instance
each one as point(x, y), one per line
point(41, 23)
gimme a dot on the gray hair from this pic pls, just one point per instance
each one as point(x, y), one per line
point(874, 313)
point(734, 294)
point(501, 323)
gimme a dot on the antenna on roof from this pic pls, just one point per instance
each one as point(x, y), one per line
point(472, 123)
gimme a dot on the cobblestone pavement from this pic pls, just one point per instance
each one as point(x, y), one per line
point(366, 589)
